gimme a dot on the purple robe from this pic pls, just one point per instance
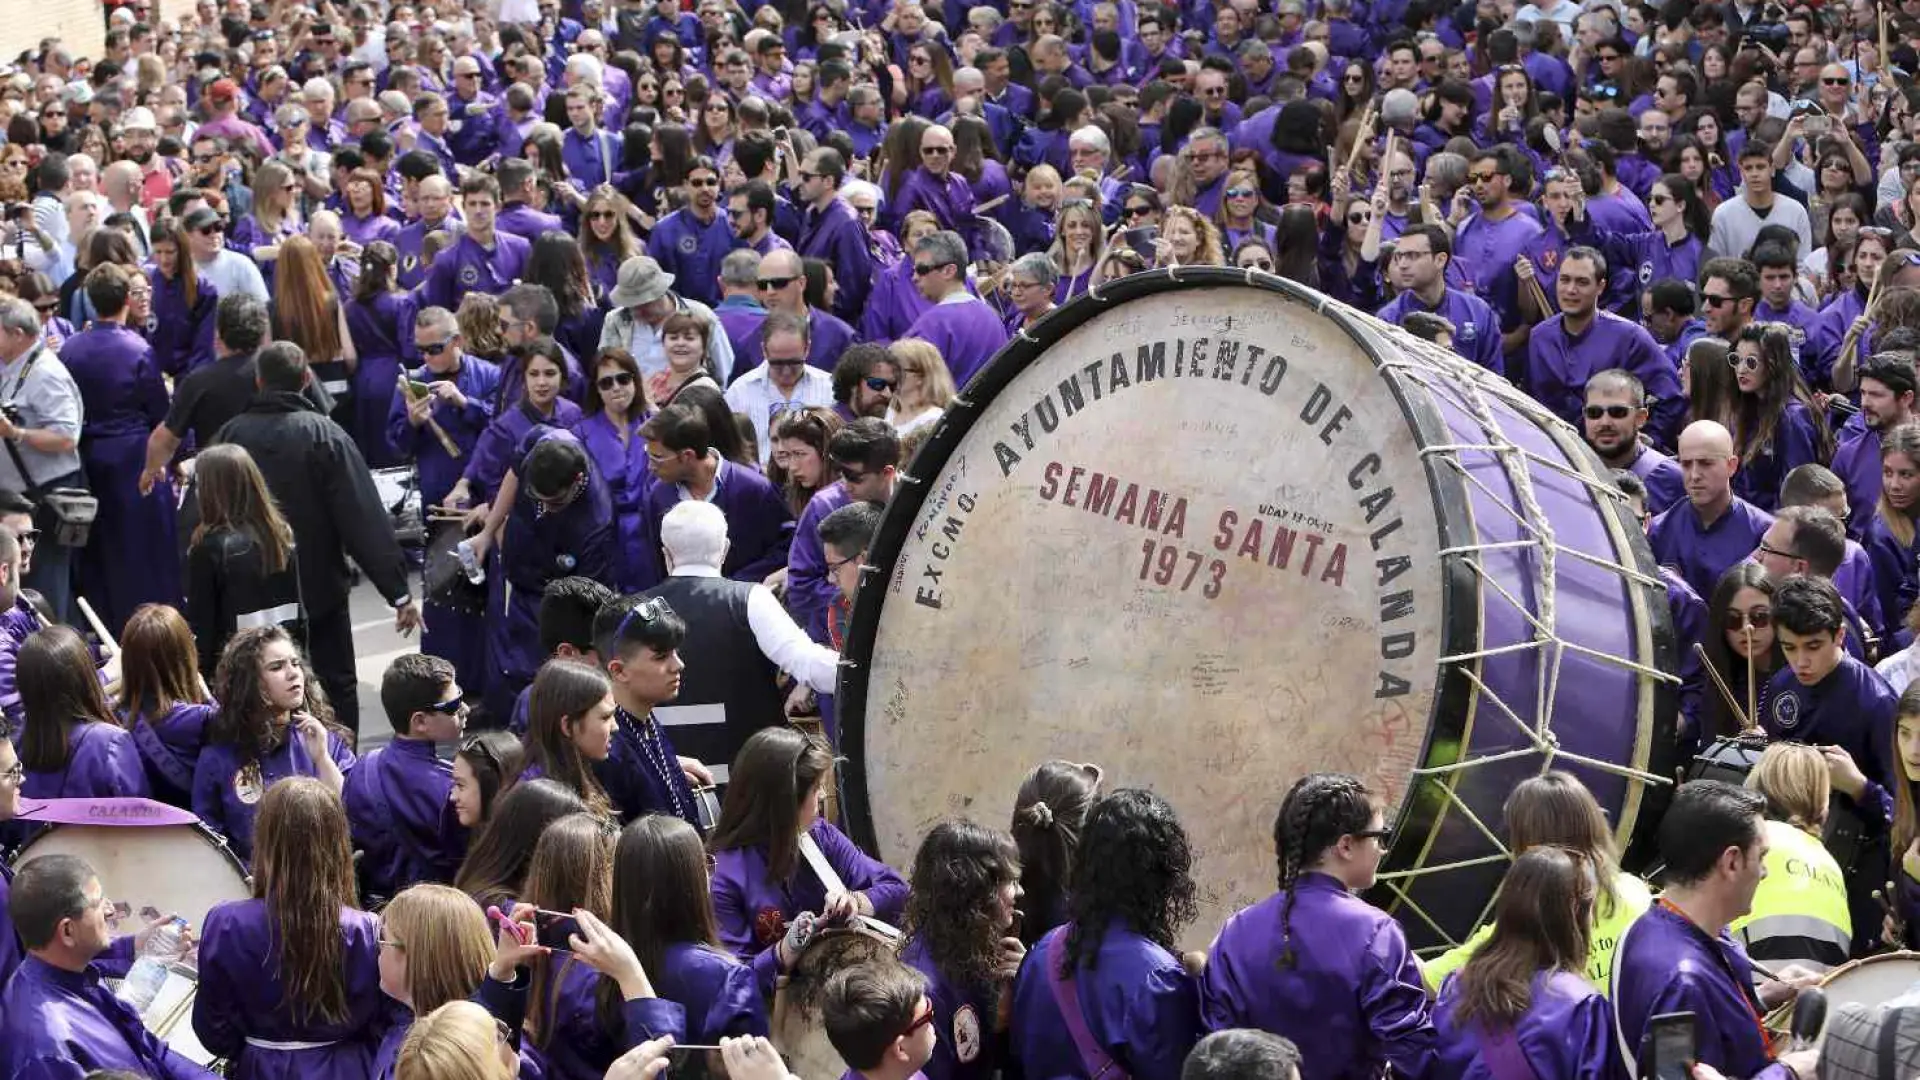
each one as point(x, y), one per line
point(1689, 627)
point(1560, 364)
point(132, 558)
point(1895, 569)
point(498, 448)
point(181, 335)
point(964, 1018)
point(527, 223)
point(1795, 443)
point(1487, 250)
point(1476, 329)
point(216, 788)
point(741, 317)
point(948, 198)
point(411, 242)
point(467, 267)
point(62, 1025)
point(836, 236)
point(691, 250)
point(1566, 1032)
point(751, 911)
point(1353, 1001)
point(398, 804)
point(102, 763)
point(243, 1000)
point(1852, 708)
point(382, 332)
point(624, 465)
point(1140, 1006)
point(1665, 964)
point(1703, 554)
point(896, 305)
point(717, 992)
point(1857, 463)
point(642, 773)
point(1854, 579)
point(759, 525)
point(590, 160)
point(810, 593)
point(170, 747)
point(1665, 486)
point(968, 333)
point(364, 231)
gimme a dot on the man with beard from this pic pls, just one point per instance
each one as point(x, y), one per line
point(1886, 402)
point(142, 137)
point(690, 242)
point(1567, 350)
point(1615, 412)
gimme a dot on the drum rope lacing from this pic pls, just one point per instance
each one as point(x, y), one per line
point(1470, 388)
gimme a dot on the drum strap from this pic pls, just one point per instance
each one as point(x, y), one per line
point(822, 869)
point(1066, 995)
point(1890, 1020)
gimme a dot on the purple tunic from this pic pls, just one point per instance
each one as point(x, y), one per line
point(410, 243)
point(1895, 569)
point(1476, 329)
point(244, 1002)
point(1689, 626)
point(1566, 1032)
point(59, 1025)
point(527, 223)
point(624, 465)
point(382, 332)
point(966, 332)
point(499, 447)
point(1353, 1001)
point(1559, 365)
point(717, 991)
point(968, 1048)
point(1486, 250)
point(810, 594)
point(538, 547)
point(1139, 1003)
point(467, 267)
point(590, 161)
point(1851, 708)
point(1665, 964)
point(836, 235)
point(133, 558)
point(398, 805)
point(1703, 554)
point(102, 763)
point(1857, 463)
point(949, 199)
point(170, 747)
point(181, 335)
point(1795, 443)
point(217, 797)
point(1854, 579)
point(364, 231)
point(11, 952)
point(1665, 486)
point(751, 911)
point(691, 251)
point(759, 525)
point(896, 305)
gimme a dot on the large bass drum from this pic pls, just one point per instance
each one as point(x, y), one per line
point(1214, 531)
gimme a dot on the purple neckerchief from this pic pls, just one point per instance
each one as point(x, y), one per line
point(119, 812)
point(1066, 994)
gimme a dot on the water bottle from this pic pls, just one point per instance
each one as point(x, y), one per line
point(476, 573)
point(164, 946)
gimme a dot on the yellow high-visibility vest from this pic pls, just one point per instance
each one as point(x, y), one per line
point(1632, 898)
point(1800, 911)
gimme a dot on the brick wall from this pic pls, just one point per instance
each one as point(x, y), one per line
point(80, 23)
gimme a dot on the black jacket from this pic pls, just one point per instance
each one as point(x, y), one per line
point(228, 582)
point(326, 491)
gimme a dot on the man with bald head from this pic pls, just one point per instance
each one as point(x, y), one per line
point(1714, 529)
point(475, 133)
point(933, 186)
point(970, 98)
point(782, 286)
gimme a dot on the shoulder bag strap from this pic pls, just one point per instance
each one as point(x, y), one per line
point(162, 759)
point(35, 490)
point(1066, 994)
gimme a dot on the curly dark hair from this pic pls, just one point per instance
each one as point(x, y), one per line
point(1319, 809)
point(245, 721)
point(960, 867)
point(1136, 865)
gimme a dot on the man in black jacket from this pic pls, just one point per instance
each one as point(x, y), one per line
point(326, 491)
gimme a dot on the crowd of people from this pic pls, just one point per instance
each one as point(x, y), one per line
point(650, 303)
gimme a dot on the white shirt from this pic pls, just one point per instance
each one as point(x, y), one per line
point(1898, 669)
point(756, 397)
point(231, 273)
point(780, 638)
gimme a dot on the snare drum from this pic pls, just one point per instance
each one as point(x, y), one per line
point(797, 1029)
point(1874, 980)
point(399, 489)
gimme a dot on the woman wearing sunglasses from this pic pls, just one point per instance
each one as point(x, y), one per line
point(1777, 426)
point(611, 428)
point(1739, 643)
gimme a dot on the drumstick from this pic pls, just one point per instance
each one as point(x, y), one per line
point(1360, 137)
point(1720, 684)
point(1539, 296)
point(980, 209)
point(99, 628)
point(1753, 717)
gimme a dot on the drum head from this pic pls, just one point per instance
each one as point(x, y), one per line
point(176, 869)
point(1189, 534)
point(1872, 981)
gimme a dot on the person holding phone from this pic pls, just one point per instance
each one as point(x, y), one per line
point(1679, 958)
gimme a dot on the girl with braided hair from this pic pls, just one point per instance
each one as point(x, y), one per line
point(1556, 809)
point(1522, 995)
point(1314, 962)
point(1105, 993)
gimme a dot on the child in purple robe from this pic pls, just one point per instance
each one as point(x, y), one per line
point(1536, 954)
point(1108, 979)
point(163, 701)
point(761, 882)
point(399, 798)
point(1337, 977)
point(288, 978)
point(72, 747)
point(962, 928)
point(572, 871)
point(1890, 537)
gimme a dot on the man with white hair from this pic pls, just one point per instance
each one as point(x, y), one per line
point(739, 638)
point(1089, 150)
point(324, 133)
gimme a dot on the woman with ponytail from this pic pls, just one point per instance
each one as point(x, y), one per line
point(1337, 978)
point(1522, 995)
point(1132, 894)
point(1048, 814)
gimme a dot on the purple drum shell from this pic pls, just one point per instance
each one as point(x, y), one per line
point(996, 628)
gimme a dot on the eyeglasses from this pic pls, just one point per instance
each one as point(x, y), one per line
point(213, 230)
point(1139, 211)
point(1385, 836)
point(852, 474)
point(1657, 199)
point(1758, 618)
point(47, 305)
point(1482, 177)
point(919, 1021)
point(602, 215)
point(877, 384)
point(433, 348)
point(1403, 255)
point(768, 284)
point(772, 363)
point(618, 378)
point(923, 269)
point(14, 776)
point(1767, 549)
point(1360, 218)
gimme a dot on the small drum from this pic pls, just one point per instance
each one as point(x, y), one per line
point(1729, 758)
point(797, 1030)
point(399, 490)
point(1214, 531)
point(1874, 980)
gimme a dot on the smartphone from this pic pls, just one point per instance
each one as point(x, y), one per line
point(554, 929)
point(780, 135)
point(417, 389)
point(1673, 1045)
point(1141, 240)
point(1819, 125)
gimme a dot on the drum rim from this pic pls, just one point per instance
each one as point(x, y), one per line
point(214, 840)
point(1453, 699)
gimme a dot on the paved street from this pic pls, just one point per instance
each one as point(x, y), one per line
point(375, 644)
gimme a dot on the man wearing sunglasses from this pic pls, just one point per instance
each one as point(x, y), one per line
point(782, 284)
point(686, 466)
point(1614, 414)
point(864, 456)
point(690, 242)
point(398, 796)
point(831, 230)
point(961, 325)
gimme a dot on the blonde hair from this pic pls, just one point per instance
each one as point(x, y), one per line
point(1794, 778)
point(936, 379)
point(457, 1041)
point(447, 942)
point(1207, 251)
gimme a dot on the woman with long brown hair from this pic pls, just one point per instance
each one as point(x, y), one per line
point(379, 321)
point(570, 730)
point(1524, 990)
point(183, 304)
point(605, 237)
point(1891, 539)
point(73, 746)
point(242, 567)
point(798, 463)
point(495, 871)
point(309, 312)
point(1048, 811)
point(163, 701)
point(1777, 425)
point(962, 934)
point(289, 980)
point(572, 870)
point(274, 722)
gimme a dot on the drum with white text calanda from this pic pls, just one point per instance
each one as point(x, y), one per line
point(1213, 531)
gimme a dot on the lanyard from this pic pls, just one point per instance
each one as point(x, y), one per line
point(1745, 986)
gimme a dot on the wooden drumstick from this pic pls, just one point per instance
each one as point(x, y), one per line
point(1360, 137)
point(107, 642)
point(982, 209)
point(446, 441)
point(1720, 684)
point(1753, 711)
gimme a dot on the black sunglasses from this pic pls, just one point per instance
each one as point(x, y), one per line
point(618, 378)
point(874, 382)
point(770, 283)
point(1617, 412)
point(923, 269)
point(434, 348)
point(449, 708)
point(648, 611)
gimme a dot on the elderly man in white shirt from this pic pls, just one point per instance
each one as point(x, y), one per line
point(783, 382)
